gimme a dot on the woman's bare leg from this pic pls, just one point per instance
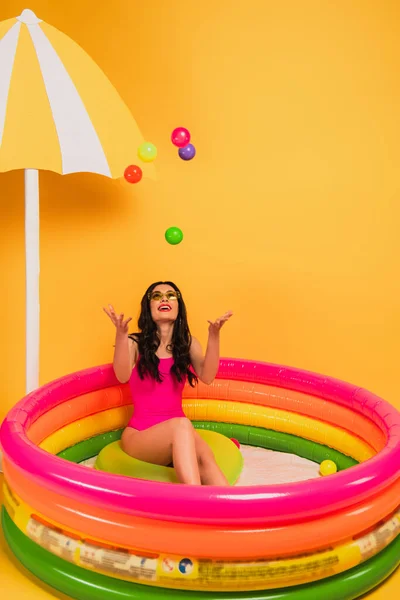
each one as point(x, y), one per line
point(172, 440)
point(210, 473)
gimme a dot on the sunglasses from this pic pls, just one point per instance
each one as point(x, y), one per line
point(170, 295)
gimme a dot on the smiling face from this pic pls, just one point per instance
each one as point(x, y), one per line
point(164, 305)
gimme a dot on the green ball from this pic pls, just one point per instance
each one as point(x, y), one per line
point(147, 152)
point(174, 235)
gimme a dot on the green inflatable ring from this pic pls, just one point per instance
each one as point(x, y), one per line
point(87, 585)
point(113, 459)
point(245, 434)
point(279, 441)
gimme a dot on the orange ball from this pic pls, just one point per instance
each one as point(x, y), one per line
point(133, 174)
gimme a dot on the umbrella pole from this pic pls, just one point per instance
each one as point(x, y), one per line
point(32, 282)
point(32, 278)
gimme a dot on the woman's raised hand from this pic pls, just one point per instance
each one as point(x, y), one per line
point(121, 325)
point(215, 326)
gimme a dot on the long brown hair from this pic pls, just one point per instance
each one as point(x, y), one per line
point(148, 340)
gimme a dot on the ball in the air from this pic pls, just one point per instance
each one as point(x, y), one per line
point(174, 235)
point(180, 137)
point(147, 152)
point(133, 174)
point(187, 152)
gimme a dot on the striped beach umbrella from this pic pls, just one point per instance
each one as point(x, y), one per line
point(58, 112)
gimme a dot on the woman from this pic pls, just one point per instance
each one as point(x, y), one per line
point(157, 361)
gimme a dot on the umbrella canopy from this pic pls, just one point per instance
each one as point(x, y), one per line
point(58, 111)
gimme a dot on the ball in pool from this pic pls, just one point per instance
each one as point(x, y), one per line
point(327, 467)
point(174, 235)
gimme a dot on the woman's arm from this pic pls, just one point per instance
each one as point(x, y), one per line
point(125, 349)
point(206, 367)
point(124, 357)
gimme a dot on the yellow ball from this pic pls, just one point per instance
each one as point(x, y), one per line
point(147, 152)
point(327, 467)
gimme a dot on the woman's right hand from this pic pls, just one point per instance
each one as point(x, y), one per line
point(121, 325)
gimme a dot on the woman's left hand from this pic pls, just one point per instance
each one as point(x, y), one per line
point(216, 325)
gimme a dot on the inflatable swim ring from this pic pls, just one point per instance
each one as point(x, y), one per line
point(91, 533)
point(114, 460)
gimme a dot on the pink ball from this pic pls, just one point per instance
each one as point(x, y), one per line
point(180, 137)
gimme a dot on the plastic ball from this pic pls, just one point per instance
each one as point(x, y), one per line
point(133, 174)
point(147, 152)
point(327, 467)
point(180, 137)
point(188, 152)
point(236, 442)
point(174, 235)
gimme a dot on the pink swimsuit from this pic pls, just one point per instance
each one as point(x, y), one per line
point(155, 402)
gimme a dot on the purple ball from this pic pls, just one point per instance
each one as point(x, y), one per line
point(187, 152)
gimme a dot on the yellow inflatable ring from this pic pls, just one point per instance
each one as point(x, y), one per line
point(113, 459)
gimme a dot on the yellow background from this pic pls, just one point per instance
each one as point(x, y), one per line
point(290, 209)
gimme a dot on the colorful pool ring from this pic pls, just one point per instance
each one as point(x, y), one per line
point(307, 499)
point(281, 420)
point(253, 402)
point(87, 404)
point(75, 408)
point(87, 585)
point(216, 542)
point(114, 418)
point(113, 459)
point(290, 400)
point(207, 575)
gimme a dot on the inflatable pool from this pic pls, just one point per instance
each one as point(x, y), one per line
point(91, 534)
